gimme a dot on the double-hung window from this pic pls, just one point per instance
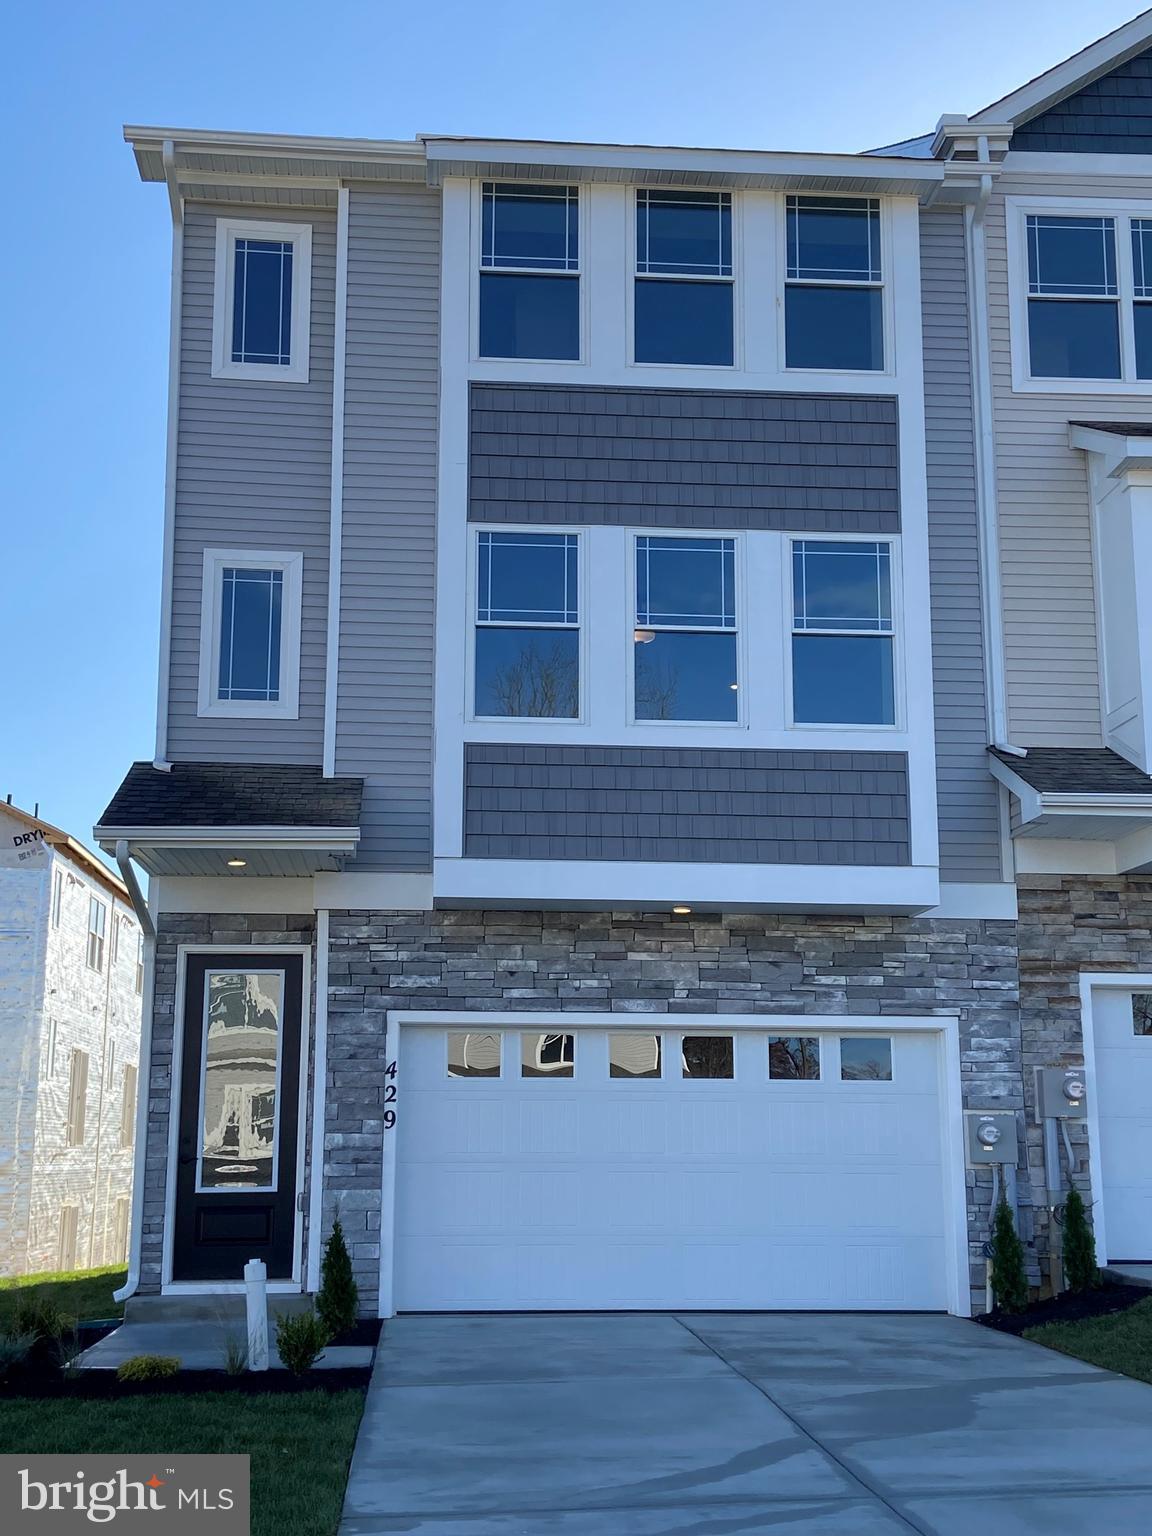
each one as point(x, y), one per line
point(527, 642)
point(262, 303)
point(685, 662)
point(97, 924)
point(842, 633)
point(684, 279)
point(250, 633)
point(529, 271)
point(1074, 297)
point(833, 294)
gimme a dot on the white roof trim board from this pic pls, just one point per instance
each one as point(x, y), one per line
point(1064, 79)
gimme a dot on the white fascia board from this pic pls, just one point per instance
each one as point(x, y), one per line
point(1121, 455)
point(1064, 79)
point(1069, 803)
point(1030, 799)
point(640, 158)
point(334, 838)
point(607, 885)
point(297, 146)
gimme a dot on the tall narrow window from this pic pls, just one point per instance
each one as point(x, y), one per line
point(128, 1106)
point(97, 924)
point(527, 656)
point(69, 1229)
point(685, 631)
point(684, 300)
point(57, 896)
point(120, 1230)
point(1142, 295)
point(262, 301)
point(833, 299)
point(1073, 297)
point(529, 271)
point(842, 664)
point(77, 1098)
point(250, 634)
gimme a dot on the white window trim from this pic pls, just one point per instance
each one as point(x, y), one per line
point(1016, 211)
point(580, 273)
point(896, 634)
point(886, 285)
point(287, 706)
point(738, 630)
point(300, 236)
point(634, 276)
point(581, 626)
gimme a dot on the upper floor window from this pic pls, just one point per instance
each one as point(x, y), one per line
point(685, 631)
point(97, 923)
point(833, 296)
point(842, 633)
point(529, 271)
point(74, 1126)
point(250, 634)
point(1073, 298)
point(684, 278)
point(527, 649)
point(262, 300)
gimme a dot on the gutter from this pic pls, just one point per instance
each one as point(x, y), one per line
point(175, 312)
point(991, 598)
point(143, 1073)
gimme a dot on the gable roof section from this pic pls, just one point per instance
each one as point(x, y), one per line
point(231, 795)
point(1107, 57)
point(69, 848)
point(1077, 771)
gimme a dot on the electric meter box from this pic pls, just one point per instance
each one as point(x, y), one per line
point(1061, 1093)
point(991, 1137)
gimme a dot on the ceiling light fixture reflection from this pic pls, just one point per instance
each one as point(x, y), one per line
point(237, 863)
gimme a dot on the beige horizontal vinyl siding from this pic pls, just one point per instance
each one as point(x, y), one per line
point(253, 472)
point(387, 586)
point(1045, 517)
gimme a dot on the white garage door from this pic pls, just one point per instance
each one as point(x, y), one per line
point(1122, 1025)
point(599, 1169)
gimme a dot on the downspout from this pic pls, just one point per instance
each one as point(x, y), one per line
point(174, 320)
point(144, 1071)
point(985, 444)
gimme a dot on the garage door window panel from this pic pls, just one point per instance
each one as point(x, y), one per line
point(473, 1055)
point(794, 1057)
point(866, 1058)
point(634, 1056)
point(707, 1056)
point(547, 1055)
point(1142, 1013)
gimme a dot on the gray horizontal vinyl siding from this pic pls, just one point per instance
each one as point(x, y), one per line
point(384, 710)
point(252, 472)
point(1043, 501)
point(685, 805)
point(687, 458)
point(967, 794)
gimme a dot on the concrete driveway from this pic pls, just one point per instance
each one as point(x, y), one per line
point(720, 1425)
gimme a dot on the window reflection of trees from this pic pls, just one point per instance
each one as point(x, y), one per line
point(240, 1061)
point(707, 1056)
point(794, 1056)
point(541, 683)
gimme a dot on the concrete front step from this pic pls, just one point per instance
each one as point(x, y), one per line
point(204, 1307)
point(1129, 1274)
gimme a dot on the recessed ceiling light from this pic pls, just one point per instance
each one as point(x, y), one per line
point(681, 911)
point(237, 863)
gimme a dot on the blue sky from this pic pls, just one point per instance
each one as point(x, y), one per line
point(85, 265)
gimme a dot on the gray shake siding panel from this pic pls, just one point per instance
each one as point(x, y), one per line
point(685, 805)
point(384, 711)
point(253, 471)
point(967, 794)
point(1111, 116)
point(691, 458)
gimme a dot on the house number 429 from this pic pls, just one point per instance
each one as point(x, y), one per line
point(390, 1096)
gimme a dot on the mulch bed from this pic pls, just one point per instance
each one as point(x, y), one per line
point(1069, 1307)
point(365, 1330)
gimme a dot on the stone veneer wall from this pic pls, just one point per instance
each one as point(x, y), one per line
point(632, 963)
point(1069, 924)
point(174, 929)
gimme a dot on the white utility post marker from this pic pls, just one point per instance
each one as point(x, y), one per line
point(256, 1295)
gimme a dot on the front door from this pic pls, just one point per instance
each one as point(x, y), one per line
point(239, 1113)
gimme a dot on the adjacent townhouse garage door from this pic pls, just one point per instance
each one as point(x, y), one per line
point(539, 1167)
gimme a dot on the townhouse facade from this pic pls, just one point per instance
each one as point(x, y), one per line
point(71, 997)
point(605, 634)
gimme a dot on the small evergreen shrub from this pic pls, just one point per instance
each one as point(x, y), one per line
point(1080, 1268)
point(147, 1368)
point(338, 1297)
point(301, 1339)
point(1009, 1281)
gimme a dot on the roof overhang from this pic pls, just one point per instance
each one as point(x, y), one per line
point(1099, 58)
point(1122, 819)
point(264, 851)
point(1123, 453)
point(646, 164)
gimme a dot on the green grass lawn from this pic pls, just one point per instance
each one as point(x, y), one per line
point(84, 1294)
point(300, 1444)
point(1118, 1341)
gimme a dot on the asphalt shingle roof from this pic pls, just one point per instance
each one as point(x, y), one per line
point(1120, 428)
point(233, 795)
point(1077, 770)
